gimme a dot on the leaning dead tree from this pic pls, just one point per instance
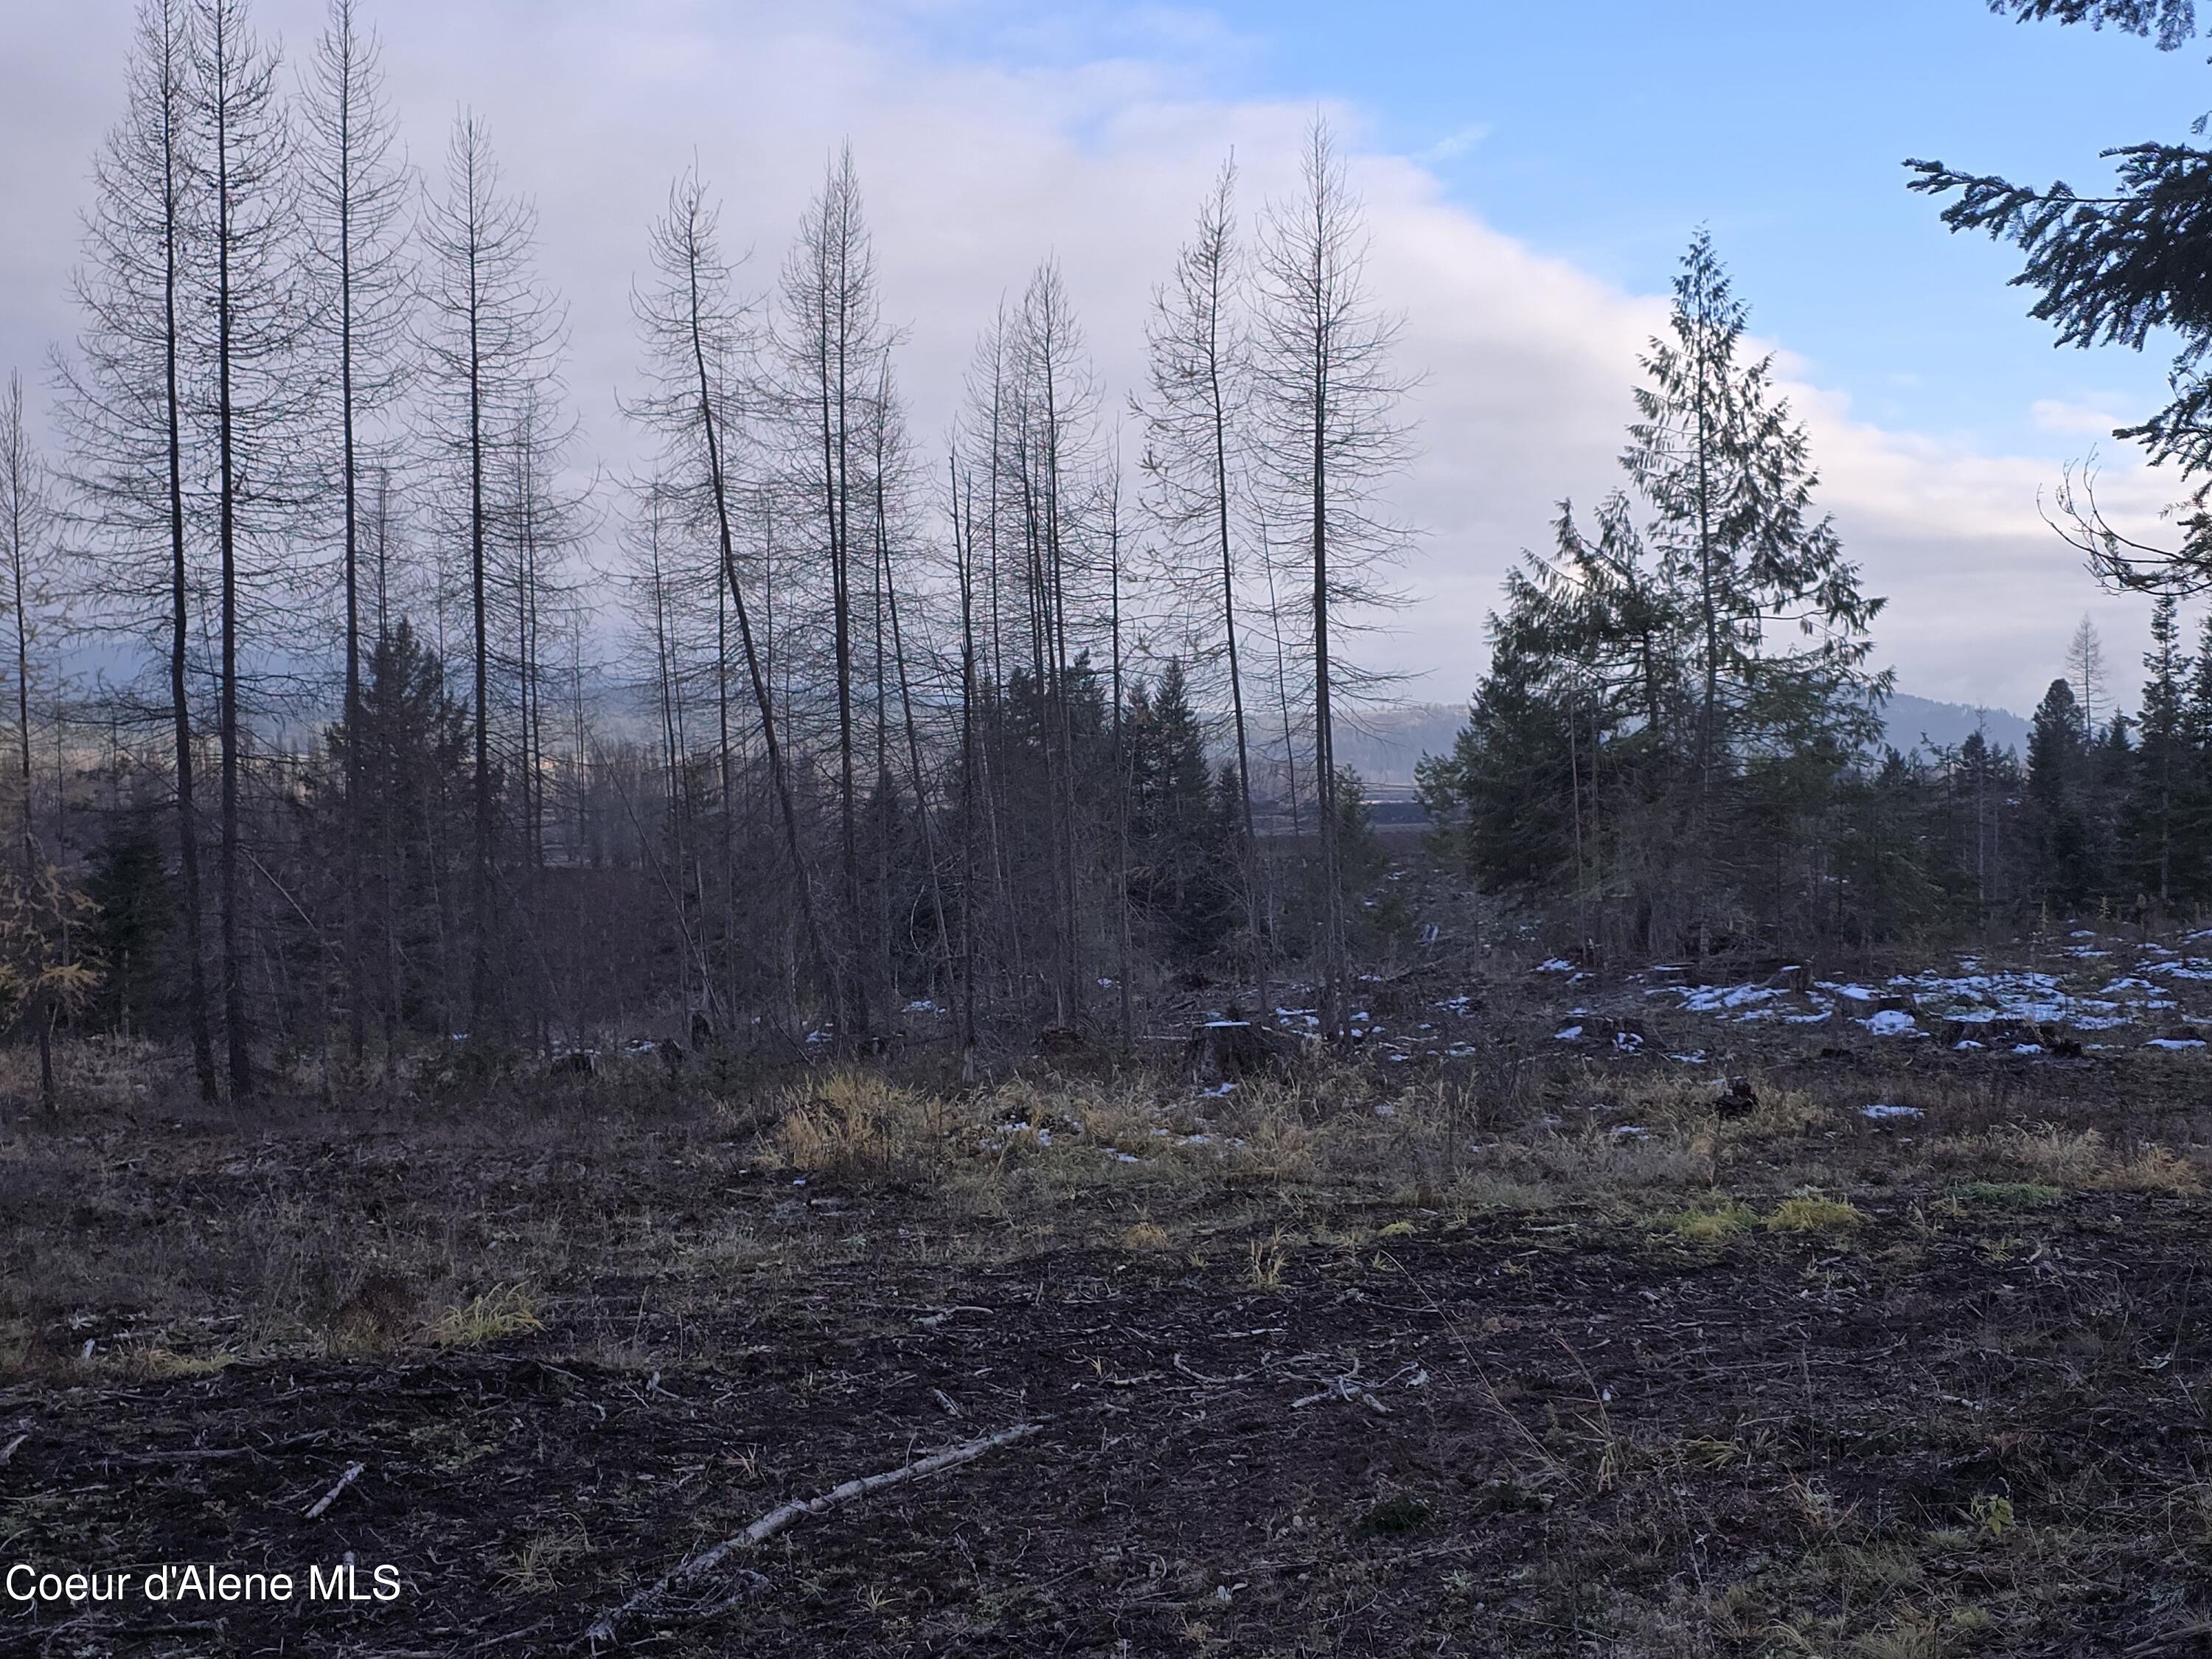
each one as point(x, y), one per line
point(698, 352)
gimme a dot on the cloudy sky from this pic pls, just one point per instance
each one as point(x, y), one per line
point(1532, 174)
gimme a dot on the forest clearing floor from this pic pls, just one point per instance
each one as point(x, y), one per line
point(1833, 1341)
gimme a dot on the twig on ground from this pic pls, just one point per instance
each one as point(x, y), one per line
point(1210, 1381)
point(604, 1628)
point(353, 1473)
point(1343, 1389)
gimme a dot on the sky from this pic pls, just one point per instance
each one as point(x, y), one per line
point(1532, 175)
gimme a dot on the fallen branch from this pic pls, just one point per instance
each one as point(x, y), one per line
point(8, 1451)
point(1343, 1389)
point(603, 1628)
point(353, 1473)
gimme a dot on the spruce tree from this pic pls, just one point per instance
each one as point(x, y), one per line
point(1508, 787)
point(136, 914)
point(2058, 775)
point(2160, 853)
point(1728, 473)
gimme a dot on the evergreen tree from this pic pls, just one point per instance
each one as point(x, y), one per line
point(137, 911)
point(2117, 268)
point(2111, 782)
point(1509, 785)
point(2063, 872)
point(1670, 709)
point(1183, 874)
point(410, 745)
point(2162, 854)
point(1983, 787)
point(1729, 474)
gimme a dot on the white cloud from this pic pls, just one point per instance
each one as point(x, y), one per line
point(2056, 415)
point(984, 148)
point(1455, 144)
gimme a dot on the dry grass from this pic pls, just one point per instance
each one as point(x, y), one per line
point(2077, 1160)
point(856, 1124)
point(349, 1231)
point(503, 1311)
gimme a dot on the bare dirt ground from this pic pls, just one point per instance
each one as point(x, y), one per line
point(1557, 1344)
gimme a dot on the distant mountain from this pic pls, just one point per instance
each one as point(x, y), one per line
point(1913, 721)
point(1382, 744)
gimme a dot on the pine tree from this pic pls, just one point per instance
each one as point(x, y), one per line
point(2119, 268)
point(410, 749)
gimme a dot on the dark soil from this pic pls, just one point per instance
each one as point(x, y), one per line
point(1546, 1436)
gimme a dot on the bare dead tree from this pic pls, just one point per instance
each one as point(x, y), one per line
point(124, 414)
point(699, 345)
point(492, 334)
point(354, 198)
point(1193, 435)
point(259, 397)
point(964, 552)
point(1056, 431)
point(26, 528)
point(830, 341)
point(1329, 436)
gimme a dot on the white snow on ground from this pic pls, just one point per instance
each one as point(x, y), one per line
point(2175, 1042)
point(1971, 996)
point(1714, 999)
point(1880, 1113)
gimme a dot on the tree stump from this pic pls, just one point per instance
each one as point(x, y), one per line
point(1224, 1050)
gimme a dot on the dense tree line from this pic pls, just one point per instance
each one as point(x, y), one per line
point(409, 726)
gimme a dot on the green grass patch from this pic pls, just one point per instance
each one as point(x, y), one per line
point(2013, 1195)
point(1815, 1215)
point(1707, 1223)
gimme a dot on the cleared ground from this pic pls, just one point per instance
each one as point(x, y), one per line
point(1554, 1346)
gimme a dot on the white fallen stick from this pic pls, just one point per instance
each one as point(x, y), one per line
point(1343, 1389)
point(8, 1451)
point(353, 1474)
point(604, 1627)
